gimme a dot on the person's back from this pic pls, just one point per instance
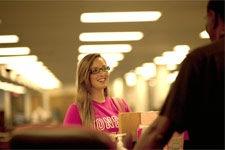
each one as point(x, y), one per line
point(196, 100)
point(203, 97)
point(207, 124)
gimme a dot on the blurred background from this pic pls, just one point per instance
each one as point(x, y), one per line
point(41, 43)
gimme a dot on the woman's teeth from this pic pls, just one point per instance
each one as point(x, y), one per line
point(101, 80)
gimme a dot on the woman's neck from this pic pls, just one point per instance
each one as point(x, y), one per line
point(98, 96)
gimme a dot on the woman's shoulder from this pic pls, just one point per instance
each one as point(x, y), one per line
point(113, 99)
point(120, 103)
point(117, 99)
point(72, 115)
point(73, 106)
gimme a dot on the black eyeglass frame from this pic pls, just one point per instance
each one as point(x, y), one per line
point(97, 70)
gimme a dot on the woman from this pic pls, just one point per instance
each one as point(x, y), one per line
point(93, 107)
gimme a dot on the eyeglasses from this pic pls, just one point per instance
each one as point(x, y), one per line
point(97, 70)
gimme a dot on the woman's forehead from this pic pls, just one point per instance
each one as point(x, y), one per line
point(98, 62)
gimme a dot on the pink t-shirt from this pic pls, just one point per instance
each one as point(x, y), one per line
point(106, 115)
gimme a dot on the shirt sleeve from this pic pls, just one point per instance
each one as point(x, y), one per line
point(127, 108)
point(72, 116)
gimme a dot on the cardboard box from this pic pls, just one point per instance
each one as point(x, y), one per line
point(130, 122)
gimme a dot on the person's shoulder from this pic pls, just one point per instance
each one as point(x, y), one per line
point(205, 52)
point(109, 99)
point(216, 47)
point(73, 106)
point(115, 98)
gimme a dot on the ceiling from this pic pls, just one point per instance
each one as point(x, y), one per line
point(51, 30)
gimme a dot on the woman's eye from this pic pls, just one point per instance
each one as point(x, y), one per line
point(95, 70)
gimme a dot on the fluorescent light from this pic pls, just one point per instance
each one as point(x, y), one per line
point(139, 70)
point(18, 59)
point(102, 17)
point(12, 87)
point(106, 48)
point(162, 60)
point(130, 78)
point(181, 49)
point(118, 86)
point(111, 59)
point(149, 70)
point(112, 63)
point(159, 60)
point(171, 66)
point(111, 36)
point(172, 76)
point(204, 35)
point(24, 65)
point(14, 51)
point(172, 57)
point(114, 57)
point(9, 38)
point(35, 75)
point(176, 56)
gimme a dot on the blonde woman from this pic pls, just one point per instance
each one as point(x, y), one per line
point(93, 107)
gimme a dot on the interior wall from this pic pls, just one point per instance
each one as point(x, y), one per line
point(58, 104)
point(161, 88)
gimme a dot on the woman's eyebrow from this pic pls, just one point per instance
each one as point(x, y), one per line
point(99, 67)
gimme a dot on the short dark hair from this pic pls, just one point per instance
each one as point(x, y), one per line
point(218, 7)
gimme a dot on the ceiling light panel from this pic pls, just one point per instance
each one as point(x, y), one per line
point(36, 74)
point(111, 63)
point(114, 57)
point(18, 59)
point(105, 17)
point(181, 49)
point(105, 48)
point(204, 35)
point(15, 51)
point(12, 87)
point(130, 78)
point(9, 39)
point(111, 36)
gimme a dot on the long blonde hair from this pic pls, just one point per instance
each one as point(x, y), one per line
point(83, 90)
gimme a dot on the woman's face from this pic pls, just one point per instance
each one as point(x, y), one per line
point(99, 78)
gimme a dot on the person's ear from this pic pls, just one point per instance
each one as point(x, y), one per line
point(222, 24)
point(213, 18)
